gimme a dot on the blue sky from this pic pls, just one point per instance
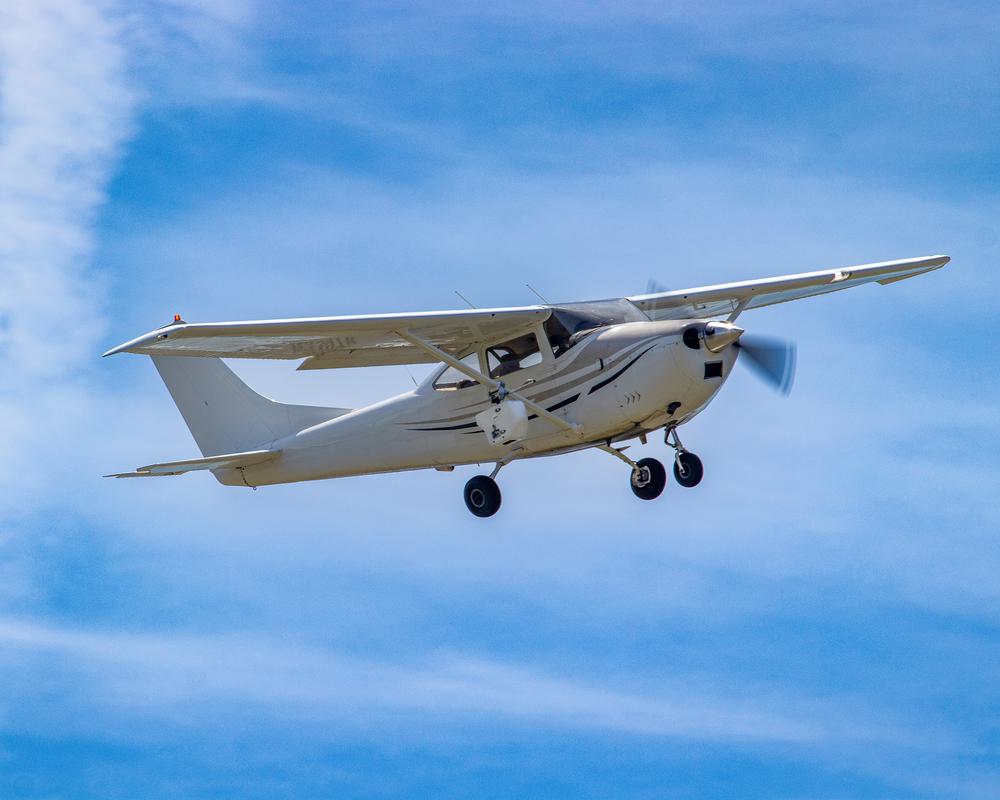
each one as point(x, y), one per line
point(819, 619)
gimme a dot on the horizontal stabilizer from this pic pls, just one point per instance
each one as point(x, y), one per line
point(229, 461)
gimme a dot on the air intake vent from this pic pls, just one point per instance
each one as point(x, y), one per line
point(713, 369)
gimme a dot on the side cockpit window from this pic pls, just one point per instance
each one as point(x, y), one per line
point(511, 356)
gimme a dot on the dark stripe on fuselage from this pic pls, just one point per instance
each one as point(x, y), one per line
point(560, 404)
point(620, 372)
point(447, 427)
point(555, 407)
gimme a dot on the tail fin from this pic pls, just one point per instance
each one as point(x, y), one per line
point(223, 413)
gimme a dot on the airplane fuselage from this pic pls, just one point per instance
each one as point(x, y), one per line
point(618, 382)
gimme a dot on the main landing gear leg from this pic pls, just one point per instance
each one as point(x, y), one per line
point(482, 495)
point(648, 475)
point(688, 469)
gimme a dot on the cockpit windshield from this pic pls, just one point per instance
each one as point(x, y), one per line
point(571, 322)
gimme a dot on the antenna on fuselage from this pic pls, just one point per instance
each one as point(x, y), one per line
point(468, 302)
point(537, 294)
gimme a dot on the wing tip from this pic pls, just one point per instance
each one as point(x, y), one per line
point(121, 348)
point(937, 261)
point(926, 264)
point(132, 345)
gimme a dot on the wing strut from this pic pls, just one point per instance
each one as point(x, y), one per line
point(485, 380)
point(740, 308)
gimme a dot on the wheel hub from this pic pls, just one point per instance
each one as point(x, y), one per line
point(641, 477)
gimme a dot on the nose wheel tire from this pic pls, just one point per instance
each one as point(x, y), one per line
point(688, 469)
point(648, 479)
point(482, 496)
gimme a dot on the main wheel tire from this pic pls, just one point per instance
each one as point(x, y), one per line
point(482, 496)
point(648, 479)
point(688, 469)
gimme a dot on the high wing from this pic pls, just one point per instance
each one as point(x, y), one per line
point(727, 298)
point(357, 341)
point(385, 339)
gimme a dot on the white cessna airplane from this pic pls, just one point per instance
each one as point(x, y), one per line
point(514, 382)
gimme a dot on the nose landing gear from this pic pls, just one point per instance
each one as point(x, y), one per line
point(688, 469)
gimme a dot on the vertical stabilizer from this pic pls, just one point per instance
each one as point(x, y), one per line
point(224, 414)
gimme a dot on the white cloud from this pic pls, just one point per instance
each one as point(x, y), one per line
point(66, 112)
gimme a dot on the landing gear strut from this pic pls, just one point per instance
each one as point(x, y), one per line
point(687, 466)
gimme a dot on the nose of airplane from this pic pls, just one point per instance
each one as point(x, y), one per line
point(718, 335)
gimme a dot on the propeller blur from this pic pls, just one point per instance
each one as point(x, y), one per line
point(771, 360)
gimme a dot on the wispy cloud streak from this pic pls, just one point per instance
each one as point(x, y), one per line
point(190, 677)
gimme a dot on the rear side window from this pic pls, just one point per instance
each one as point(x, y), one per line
point(452, 379)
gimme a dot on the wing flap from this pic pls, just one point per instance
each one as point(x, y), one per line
point(721, 300)
point(228, 461)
